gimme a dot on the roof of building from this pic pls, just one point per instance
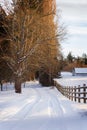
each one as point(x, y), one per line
point(81, 70)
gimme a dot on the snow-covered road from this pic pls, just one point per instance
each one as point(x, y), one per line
point(40, 108)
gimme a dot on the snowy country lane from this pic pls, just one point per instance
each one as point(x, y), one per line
point(40, 108)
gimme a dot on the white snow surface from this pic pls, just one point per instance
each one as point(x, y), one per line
point(40, 108)
point(71, 81)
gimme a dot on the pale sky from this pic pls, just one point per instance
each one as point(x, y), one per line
point(74, 15)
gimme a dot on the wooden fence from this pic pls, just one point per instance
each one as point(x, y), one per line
point(78, 94)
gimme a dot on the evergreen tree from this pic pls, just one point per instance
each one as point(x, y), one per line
point(70, 57)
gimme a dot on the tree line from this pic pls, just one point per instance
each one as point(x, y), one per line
point(29, 43)
point(70, 61)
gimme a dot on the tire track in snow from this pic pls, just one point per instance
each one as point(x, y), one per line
point(25, 111)
point(52, 113)
point(38, 106)
point(55, 103)
point(21, 104)
point(29, 108)
point(56, 113)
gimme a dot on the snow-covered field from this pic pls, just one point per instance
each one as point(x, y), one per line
point(40, 108)
point(69, 80)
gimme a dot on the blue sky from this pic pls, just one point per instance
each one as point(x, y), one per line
point(74, 15)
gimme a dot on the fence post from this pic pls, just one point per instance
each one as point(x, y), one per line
point(84, 92)
point(62, 90)
point(65, 91)
point(72, 94)
point(69, 92)
point(79, 93)
point(75, 93)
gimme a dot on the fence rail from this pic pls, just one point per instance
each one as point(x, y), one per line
point(78, 94)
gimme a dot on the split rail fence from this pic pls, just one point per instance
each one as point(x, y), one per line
point(78, 94)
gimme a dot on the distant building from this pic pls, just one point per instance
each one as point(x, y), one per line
point(79, 72)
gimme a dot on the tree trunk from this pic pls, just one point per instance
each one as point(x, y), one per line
point(18, 85)
point(1, 85)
